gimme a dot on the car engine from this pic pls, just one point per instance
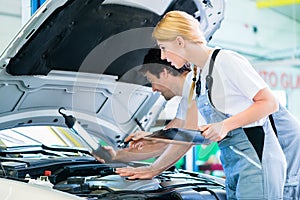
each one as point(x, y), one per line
point(87, 178)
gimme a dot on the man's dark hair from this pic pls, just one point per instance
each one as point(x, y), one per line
point(155, 65)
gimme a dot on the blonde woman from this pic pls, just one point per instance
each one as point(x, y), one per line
point(236, 109)
point(236, 105)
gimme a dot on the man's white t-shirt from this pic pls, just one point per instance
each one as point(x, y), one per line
point(235, 83)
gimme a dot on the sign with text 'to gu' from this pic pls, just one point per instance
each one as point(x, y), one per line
point(280, 77)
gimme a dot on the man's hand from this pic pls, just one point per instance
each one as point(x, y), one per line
point(137, 141)
point(145, 172)
point(136, 136)
point(104, 154)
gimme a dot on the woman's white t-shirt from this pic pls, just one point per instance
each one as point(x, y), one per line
point(235, 83)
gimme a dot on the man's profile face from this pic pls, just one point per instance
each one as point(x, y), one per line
point(161, 85)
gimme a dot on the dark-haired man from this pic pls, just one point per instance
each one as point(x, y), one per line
point(170, 83)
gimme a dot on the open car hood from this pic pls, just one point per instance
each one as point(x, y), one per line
point(83, 55)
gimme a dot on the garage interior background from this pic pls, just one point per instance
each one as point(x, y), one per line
point(267, 32)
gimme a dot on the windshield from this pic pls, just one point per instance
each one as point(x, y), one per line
point(36, 135)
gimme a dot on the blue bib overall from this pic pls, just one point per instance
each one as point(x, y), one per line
point(248, 177)
point(254, 170)
point(288, 133)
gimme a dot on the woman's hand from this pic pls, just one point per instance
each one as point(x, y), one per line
point(214, 132)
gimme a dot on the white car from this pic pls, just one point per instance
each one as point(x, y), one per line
point(76, 62)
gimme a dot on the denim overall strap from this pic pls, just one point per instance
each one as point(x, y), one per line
point(209, 78)
point(247, 177)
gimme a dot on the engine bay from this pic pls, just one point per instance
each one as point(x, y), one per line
point(85, 177)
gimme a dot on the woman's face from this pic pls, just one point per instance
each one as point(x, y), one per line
point(171, 51)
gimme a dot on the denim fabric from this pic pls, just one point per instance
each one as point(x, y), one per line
point(288, 132)
point(246, 176)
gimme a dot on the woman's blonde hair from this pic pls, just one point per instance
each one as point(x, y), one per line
point(178, 23)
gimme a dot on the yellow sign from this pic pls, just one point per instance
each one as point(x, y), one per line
point(275, 3)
